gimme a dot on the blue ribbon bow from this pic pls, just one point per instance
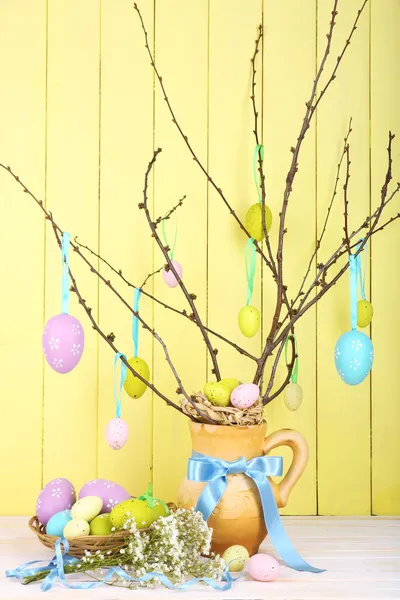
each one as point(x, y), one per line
point(57, 564)
point(215, 471)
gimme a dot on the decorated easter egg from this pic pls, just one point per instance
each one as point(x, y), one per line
point(57, 522)
point(132, 509)
point(293, 396)
point(230, 383)
point(159, 510)
point(236, 557)
point(134, 387)
point(364, 313)
point(76, 528)
point(87, 508)
point(169, 277)
point(111, 493)
point(101, 525)
point(249, 320)
point(263, 567)
point(57, 495)
point(63, 341)
point(217, 393)
point(354, 355)
point(244, 395)
point(253, 221)
point(117, 433)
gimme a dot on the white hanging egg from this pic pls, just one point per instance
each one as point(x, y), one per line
point(293, 396)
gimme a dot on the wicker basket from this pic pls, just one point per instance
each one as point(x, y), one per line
point(78, 545)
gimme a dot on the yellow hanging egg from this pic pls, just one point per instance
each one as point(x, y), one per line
point(253, 221)
point(217, 393)
point(293, 396)
point(249, 320)
point(364, 313)
point(134, 387)
point(231, 383)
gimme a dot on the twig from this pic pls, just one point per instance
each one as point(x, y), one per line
point(170, 212)
point(266, 398)
point(346, 201)
point(149, 276)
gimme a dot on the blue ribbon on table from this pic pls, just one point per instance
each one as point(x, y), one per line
point(204, 468)
point(60, 560)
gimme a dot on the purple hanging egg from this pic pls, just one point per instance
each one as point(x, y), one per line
point(169, 277)
point(63, 341)
point(117, 433)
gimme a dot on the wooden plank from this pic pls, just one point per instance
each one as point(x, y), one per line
point(70, 415)
point(22, 127)
point(181, 54)
point(385, 250)
point(343, 411)
point(126, 148)
point(292, 68)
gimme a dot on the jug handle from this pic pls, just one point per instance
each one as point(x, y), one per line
point(299, 446)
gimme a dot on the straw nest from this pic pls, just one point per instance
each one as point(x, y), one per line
point(223, 415)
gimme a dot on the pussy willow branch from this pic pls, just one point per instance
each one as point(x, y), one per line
point(58, 231)
point(189, 146)
point(346, 200)
point(189, 297)
point(183, 313)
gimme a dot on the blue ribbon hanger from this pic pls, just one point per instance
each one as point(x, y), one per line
point(118, 393)
point(214, 471)
point(60, 560)
point(135, 322)
point(353, 290)
point(65, 293)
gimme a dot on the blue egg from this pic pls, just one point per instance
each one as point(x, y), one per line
point(354, 355)
point(57, 522)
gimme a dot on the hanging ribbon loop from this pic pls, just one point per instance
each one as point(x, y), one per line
point(353, 290)
point(135, 322)
point(172, 250)
point(65, 293)
point(258, 153)
point(250, 262)
point(203, 468)
point(118, 392)
point(295, 373)
point(361, 274)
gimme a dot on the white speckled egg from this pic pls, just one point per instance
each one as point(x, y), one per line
point(236, 557)
point(87, 508)
point(293, 396)
point(76, 528)
point(244, 395)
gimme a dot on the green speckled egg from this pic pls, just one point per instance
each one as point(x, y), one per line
point(237, 556)
point(230, 383)
point(253, 221)
point(364, 313)
point(101, 525)
point(217, 393)
point(293, 396)
point(133, 508)
point(249, 320)
point(134, 387)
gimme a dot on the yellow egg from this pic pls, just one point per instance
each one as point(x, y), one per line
point(132, 509)
point(134, 387)
point(87, 508)
point(76, 528)
point(159, 510)
point(293, 396)
point(237, 556)
point(249, 320)
point(253, 221)
point(217, 393)
point(230, 383)
point(364, 313)
point(101, 525)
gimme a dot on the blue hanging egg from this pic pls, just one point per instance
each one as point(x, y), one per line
point(354, 355)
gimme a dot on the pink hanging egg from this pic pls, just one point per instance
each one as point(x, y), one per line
point(244, 395)
point(117, 433)
point(263, 567)
point(169, 277)
point(57, 495)
point(63, 341)
point(111, 493)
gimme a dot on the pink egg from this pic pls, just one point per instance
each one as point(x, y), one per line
point(63, 341)
point(263, 567)
point(117, 433)
point(111, 493)
point(244, 395)
point(57, 495)
point(169, 277)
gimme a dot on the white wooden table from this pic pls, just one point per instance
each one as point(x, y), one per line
point(361, 555)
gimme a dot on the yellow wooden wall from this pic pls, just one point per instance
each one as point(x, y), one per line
point(79, 118)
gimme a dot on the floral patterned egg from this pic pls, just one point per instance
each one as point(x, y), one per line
point(354, 355)
point(111, 493)
point(63, 341)
point(57, 495)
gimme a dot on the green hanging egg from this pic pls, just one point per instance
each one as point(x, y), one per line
point(253, 221)
point(249, 320)
point(134, 387)
point(293, 396)
point(231, 383)
point(364, 313)
point(217, 393)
